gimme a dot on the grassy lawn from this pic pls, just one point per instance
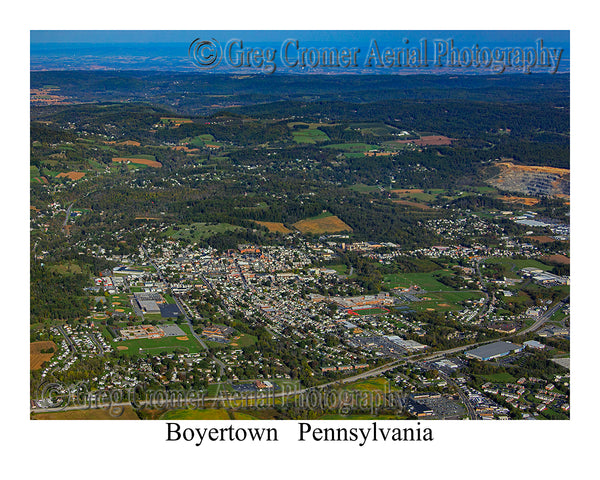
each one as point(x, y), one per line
point(360, 416)
point(309, 135)
point(216, 388)
point(414, 194)
point(243, 416)
point(157, 345)
point(458, 296)
point(557, 316)
point(193, 414)
point(426, 281)
point(362, 188)
point(120, 302)
point(353, 147)
point(143, 157)
point(244, 340)
point(515, 265)
point(371, 311)
point(498, 378)
point(199, 230)
point(65, 268)
point(340, 269)
point(444, 301)
point(168, 298)
point(287, 384)
point(201, 140)
point(137, 166)
point(370, 384)
point(486, 189)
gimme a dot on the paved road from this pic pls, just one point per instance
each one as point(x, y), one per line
point(65, 223)
point(96, 342)
point(487, 302)
point(70, 342)
point(463, 397)
point(546, 316)
point(390, 365)
point(185, 315)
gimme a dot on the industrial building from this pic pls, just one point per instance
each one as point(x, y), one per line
point(493, 350)
point(409, 345)
point(534, 344)
point(128, 271)
point(544, 278)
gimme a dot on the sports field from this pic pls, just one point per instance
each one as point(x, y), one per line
point(371, 311)
point(340, 269)
point(144, 346)
point(445, 301)
point(426, 281)
point(120, 303)
point(243, 340)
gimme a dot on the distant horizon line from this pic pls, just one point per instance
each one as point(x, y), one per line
point(428, 72)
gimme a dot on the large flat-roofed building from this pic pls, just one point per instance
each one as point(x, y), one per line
point(534, 344)
point(382, 298)
point(409, 345)
point(142, 331)
point(148, 296)
point(127, 271)
point(149, 306)
point(493, 350)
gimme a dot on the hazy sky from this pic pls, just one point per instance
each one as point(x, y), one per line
point(176, 36)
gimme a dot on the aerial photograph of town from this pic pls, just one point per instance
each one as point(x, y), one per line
point(255, 239)
point(297, 226)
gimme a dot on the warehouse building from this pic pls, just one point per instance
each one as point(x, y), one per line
point(493, 350)
point(534, 344)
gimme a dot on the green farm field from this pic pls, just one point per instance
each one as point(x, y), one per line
point(309, 135)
